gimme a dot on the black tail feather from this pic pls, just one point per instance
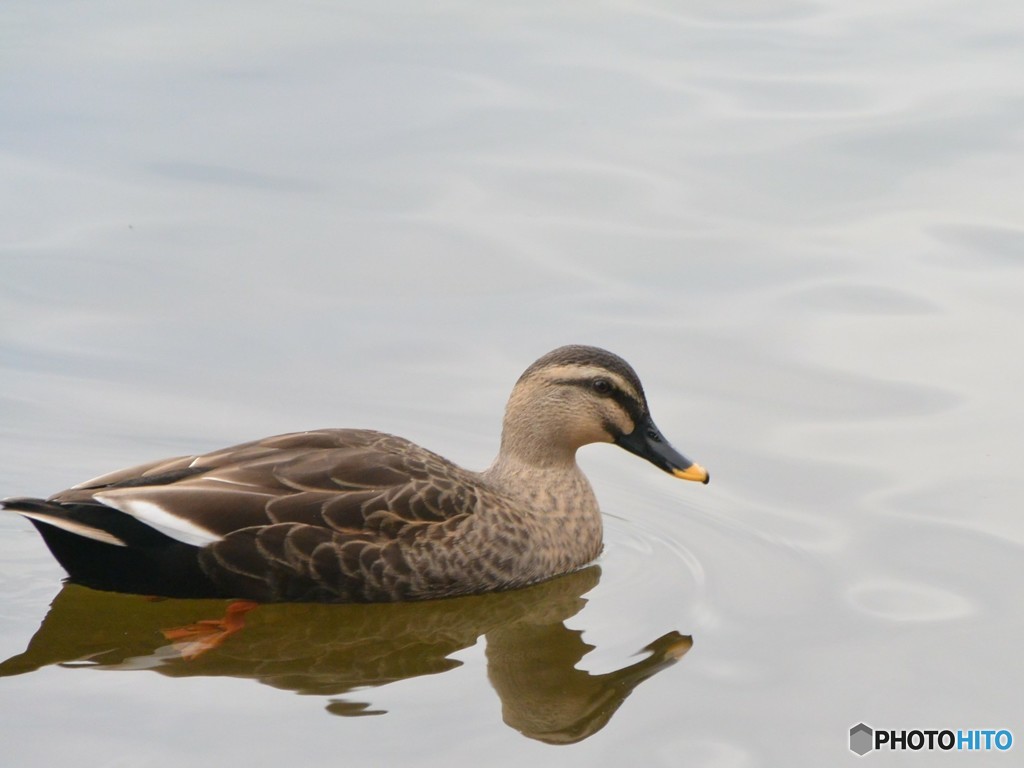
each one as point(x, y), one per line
point(150, 563)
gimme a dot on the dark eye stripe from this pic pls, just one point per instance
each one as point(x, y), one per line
point(627, 402)
point(629, 405)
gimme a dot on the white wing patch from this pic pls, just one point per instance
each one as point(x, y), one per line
point(155, 516)
point(71, 526)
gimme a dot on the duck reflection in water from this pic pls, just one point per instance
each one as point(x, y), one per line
point(332, 650)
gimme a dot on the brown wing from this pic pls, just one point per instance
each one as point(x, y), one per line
point(339, 515)
point(356, 482)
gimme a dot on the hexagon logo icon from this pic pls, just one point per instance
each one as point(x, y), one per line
point(861, 739)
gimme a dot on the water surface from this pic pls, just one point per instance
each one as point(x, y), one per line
point(800, 221)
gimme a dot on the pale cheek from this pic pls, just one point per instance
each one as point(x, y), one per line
point(585, 436)
point(623, 422)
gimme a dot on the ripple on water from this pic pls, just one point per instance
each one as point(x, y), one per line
point(642, 552)
point(650, 584)
point(997, 245)
point(905, 601)
point(864, 298)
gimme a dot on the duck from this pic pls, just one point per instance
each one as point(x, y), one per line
point(361, 516)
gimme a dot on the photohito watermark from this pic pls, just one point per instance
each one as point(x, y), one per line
point(864, 739)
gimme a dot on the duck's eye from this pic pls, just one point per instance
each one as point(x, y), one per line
point(602, 386)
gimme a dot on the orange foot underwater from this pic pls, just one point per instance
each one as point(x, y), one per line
point(193, 640)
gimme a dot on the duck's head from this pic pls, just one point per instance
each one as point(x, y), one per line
point(577, 395)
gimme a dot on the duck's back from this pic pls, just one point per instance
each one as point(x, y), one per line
point(325, 515)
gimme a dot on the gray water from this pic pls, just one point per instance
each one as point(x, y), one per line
point(802, 223)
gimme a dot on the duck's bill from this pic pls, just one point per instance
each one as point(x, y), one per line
point(693, 472)
point(647, 442)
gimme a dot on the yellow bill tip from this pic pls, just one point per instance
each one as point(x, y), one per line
point(693, 472)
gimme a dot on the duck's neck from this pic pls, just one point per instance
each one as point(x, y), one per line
point(541, 473)
point(537, 460)
point(534, 437)
point(557, 511)
point(511, 471)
